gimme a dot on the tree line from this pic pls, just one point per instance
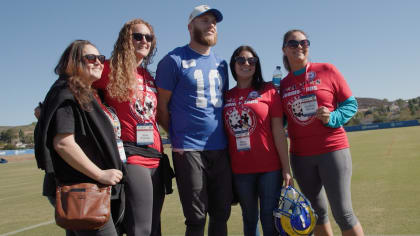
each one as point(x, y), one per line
point(9, 138)
point(399, 110)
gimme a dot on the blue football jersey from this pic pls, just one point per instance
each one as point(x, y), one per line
point(197, 83)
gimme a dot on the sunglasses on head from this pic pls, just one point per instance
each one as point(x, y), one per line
point(295, 44)
point(251, 60)
point(139, 37)
point(91, 58)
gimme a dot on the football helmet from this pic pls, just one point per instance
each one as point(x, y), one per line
point(294, 215)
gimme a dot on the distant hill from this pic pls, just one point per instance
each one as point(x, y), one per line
point(16, 137)
point(27, 129)
point(372, 102)
point(373, 110)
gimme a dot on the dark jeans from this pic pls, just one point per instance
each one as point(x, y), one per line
point(264, 187)
point(204, 181)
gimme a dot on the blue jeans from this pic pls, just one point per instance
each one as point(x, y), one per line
point(264, 186)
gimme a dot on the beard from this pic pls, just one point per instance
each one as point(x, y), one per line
point(198, 36)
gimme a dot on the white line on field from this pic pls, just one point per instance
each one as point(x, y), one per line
point(28, 228)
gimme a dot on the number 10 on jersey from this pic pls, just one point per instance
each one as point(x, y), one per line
point(215, 84)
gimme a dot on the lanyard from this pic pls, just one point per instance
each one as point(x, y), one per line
point(301, 86)
point(140, 77)
point(112, 116)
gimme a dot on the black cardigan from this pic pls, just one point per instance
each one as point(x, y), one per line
point(93, 123)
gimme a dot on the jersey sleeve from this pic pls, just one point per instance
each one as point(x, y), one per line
point(102, 83)
point(166, 73)
point(64, 120)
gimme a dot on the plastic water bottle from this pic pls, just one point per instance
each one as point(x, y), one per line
point(277, 76)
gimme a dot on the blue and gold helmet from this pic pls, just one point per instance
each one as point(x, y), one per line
point(294, 215)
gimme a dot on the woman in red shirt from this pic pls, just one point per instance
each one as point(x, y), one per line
point(317, 101)
point(257, 142)
point(131, 92)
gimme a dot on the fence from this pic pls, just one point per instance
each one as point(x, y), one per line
point(16, 152)
point(382, 125)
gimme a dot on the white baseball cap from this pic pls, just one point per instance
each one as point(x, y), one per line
point(200, 10)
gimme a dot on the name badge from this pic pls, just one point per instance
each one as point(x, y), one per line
point(145, 134)
point(309, 104)
point(121, 150)
point(243, 142)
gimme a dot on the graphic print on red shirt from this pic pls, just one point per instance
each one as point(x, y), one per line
point(308, 135)
point(144, 107)
point(249, 111)
point(140, 109)
point(240, 118)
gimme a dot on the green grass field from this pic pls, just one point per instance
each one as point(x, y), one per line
point(385, 190)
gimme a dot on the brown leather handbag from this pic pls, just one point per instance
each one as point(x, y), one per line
point(82, 206)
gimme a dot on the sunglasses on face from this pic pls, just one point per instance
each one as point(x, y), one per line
point(295, 44)
point(139, 37)
point(91, 58)
point(251, 60)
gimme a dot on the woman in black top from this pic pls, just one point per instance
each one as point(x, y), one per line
point(74, 138)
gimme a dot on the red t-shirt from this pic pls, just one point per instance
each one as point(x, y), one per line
point(251, 111)
point(136, 111)
point(308, 136)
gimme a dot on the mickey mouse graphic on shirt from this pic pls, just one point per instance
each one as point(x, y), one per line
point(143, 107)
point(240, 118)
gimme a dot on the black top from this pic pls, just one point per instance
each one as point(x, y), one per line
point(64, 123)
point(92, 130)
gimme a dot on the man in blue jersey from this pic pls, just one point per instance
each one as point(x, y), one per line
point(191, 81)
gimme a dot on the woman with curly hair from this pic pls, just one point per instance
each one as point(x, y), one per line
point(75, 142)
point(130, 90)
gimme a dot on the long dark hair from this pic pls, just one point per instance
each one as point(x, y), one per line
point(285, 39)
point(71, 67)
point(257, 78)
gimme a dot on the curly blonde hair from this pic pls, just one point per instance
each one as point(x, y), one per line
point(122, 79)
point(72, 67)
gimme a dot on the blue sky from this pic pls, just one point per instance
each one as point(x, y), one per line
point(374, 43)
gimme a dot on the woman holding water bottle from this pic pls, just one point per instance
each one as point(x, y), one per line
point(317, 101)
point(257, 142)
